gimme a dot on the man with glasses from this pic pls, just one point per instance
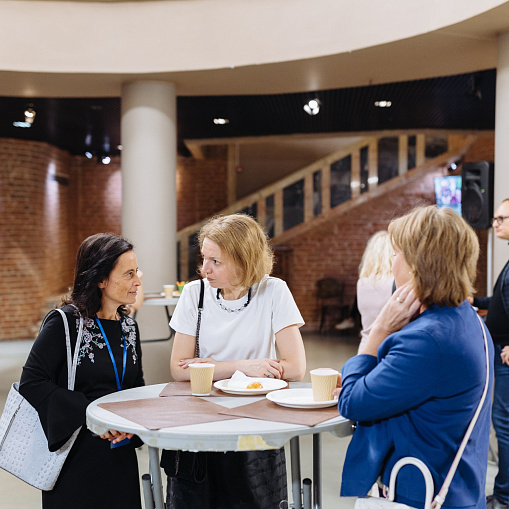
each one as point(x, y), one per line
point(497, 321)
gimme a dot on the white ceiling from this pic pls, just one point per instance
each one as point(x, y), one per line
point(212, 47)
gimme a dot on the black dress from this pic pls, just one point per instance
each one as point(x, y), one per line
point(93, 475)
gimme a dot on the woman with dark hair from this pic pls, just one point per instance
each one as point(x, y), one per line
point(99, 472)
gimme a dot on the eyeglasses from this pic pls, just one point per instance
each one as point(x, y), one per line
point(499, 220)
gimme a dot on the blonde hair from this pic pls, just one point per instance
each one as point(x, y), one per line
point(441, 250)
point(377, 258)
point(243, 242)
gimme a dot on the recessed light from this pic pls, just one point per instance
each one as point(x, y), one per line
point(383, 104)
point(30, 114)
point(221, 121)
point(312, 107)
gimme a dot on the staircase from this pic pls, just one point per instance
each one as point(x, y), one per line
point(327, 188)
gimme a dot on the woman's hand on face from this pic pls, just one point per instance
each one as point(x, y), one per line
point(184, 363)
point(505, 355)
point(116, 436)
point(262, 368)
point(399, 310)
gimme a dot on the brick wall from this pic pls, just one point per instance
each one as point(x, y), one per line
point(482, 150)
point(97, 204)
point(43, 220)
point(335, 248)
point(201, 189)
point(33, 231)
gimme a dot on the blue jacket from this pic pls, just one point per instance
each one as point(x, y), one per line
point(417, 399)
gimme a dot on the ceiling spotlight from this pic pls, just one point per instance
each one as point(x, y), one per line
point(454, 165)
point(105, 159)
point(89, 155)
point(30, 114)
point(312, 107)
point(383, 104)
point(221, 121)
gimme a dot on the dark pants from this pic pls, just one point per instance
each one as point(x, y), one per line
point(500, 416)
point(216, 480)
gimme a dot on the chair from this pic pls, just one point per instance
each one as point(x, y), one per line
point(329, 293)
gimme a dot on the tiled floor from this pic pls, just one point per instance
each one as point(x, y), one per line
point(321, 350)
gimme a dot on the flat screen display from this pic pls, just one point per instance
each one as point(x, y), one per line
point(448, 192)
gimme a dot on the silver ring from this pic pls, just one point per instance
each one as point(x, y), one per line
point(400, 300)
point(269, 375)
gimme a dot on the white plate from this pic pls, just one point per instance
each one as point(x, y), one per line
point(298, 398)
point(269, 384)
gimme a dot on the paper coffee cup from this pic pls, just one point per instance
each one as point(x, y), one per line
point(202, 374)
point(168, 291)
point(324, 381)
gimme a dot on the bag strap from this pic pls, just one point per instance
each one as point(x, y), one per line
point(71, 363)
point(200, 309)
point(440, 498)
point(428, 479)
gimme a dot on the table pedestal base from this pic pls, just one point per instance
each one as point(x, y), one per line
point(301, 490)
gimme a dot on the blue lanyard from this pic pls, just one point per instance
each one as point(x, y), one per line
point(124, 358)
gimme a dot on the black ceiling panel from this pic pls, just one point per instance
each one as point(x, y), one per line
point(464, 101)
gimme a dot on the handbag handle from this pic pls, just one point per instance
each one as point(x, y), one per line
point(428, 479)
point(71, 363)
point(200, 309)
point(440, 498)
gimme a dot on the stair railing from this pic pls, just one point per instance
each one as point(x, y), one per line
point(334, 184)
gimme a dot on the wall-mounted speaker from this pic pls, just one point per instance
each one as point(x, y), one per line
point(477, 194)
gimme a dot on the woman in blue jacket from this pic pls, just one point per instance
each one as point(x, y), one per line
point(418, 380)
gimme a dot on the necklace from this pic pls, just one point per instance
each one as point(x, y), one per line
point(230, 310)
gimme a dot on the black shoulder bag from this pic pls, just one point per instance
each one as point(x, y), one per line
point(185, 465)
point(200, 309)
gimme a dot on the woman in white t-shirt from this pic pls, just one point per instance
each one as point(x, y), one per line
point(246, 314)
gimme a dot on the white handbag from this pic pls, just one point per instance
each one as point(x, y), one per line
point(23, 445)
point(389, 503)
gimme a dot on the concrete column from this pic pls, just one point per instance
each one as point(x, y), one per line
point(500, 248)
point(149, 162)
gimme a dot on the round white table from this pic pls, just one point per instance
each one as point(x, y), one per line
point(230, 435)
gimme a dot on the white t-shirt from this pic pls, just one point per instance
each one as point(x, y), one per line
point(248, 334)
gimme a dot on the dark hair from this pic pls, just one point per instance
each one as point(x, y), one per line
point(96, 258)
